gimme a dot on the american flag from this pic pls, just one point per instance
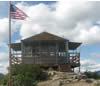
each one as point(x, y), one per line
point(16, 13)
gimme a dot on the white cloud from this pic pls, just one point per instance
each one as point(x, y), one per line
point(74, 21)
point(3, 62)
point(95, 55)
point(18, 41)
point(89, 65)
point(3, 29)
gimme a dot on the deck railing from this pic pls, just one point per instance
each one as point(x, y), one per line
point(74, 58)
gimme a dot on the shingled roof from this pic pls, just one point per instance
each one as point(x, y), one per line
point(45, 36)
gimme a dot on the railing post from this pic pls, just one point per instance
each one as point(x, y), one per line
point(79, 62)
point(75, 60)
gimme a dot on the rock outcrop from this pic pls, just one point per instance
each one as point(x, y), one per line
point(68, 79)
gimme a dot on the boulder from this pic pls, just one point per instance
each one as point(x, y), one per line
point(50, 83)
point(51, 73)
point(84, 77)
point(79, 77)
point(56, 83)
point(97, 82)
point(90, 80)
point(65, 81)
point(56, 77)
point(70, 80)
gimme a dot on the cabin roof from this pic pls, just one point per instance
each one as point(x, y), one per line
point(44, 36)
point(73, 45)
point(16, 46)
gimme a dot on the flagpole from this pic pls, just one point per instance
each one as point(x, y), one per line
point(10, 80)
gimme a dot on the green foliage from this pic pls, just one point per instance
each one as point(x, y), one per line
point(27, 75)
point(29, 72)
point(92, 75)
point(4, 80)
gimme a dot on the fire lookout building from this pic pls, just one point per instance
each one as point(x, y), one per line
point(47, 50)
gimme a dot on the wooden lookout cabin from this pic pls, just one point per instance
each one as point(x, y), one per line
point(47, 50)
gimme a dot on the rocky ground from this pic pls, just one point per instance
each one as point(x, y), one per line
point(68, 79)
point(57, 83)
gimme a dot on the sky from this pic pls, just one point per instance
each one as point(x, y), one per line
point(78, 21)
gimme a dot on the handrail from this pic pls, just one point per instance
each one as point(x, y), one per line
point(22, 54)
point(74, 60)
point(73, 52)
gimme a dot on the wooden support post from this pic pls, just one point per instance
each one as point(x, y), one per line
point(79, 69)
point(79, 63)
point(59, 68)
point(68, 59)
point(73, 69)
point(21, 48)
point(56, 53)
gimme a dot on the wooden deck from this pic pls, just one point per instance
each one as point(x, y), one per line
point(74, 61)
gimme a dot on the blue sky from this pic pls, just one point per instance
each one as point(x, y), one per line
point(5, 4)
point(67, 19)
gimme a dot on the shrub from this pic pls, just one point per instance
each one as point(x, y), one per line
point(93, 75)
point(27, 75)
point(4, 80)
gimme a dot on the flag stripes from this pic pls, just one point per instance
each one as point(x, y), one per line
point(16, 13)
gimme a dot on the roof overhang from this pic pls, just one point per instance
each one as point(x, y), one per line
point(73, 45)
point(16, 46)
